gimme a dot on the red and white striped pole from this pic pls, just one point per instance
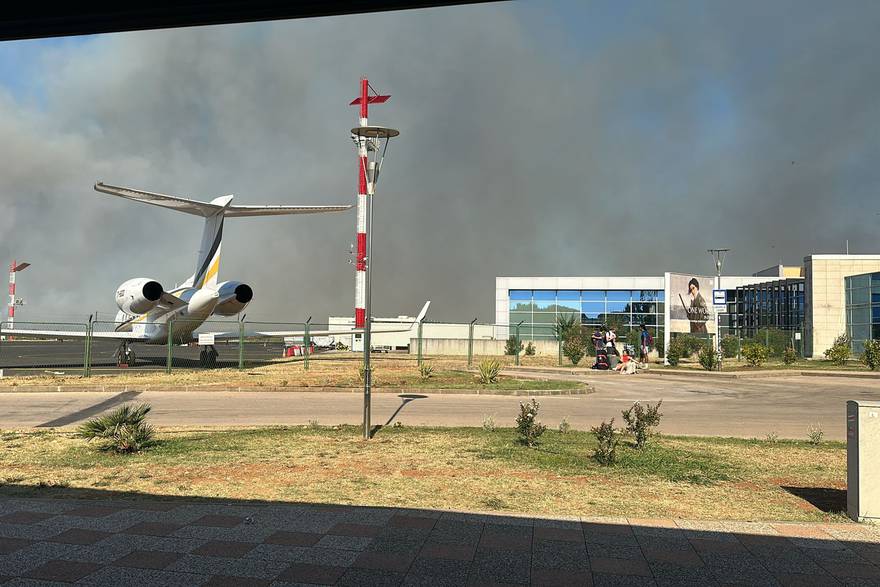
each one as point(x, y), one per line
point(360, 278)
point(11, 314)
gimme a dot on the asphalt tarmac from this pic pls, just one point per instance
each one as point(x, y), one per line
point(34, 357)
point(746, 408)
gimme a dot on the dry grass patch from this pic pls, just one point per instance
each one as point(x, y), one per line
point(337, 370)
point(461, 469)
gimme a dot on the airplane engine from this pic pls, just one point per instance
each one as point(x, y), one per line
point(234, 298)
point(138, 296)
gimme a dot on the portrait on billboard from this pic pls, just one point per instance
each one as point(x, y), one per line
point(689, 310)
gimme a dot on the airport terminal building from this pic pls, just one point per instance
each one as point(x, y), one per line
point(827, 296)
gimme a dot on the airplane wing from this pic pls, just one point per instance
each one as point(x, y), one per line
point(374, 330)
point(73, 334)
point(241, 211)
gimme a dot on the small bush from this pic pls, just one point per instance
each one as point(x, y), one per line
point(573, 349)
point(530, 349)
point(730, 346)
point(682, 347)
point(815, 434)
point(640, 419)
point(840, 351)
point(755, 354)
point(527, 425)
point(489, 370)
point(313, 424)
point(708, 358)
point(567, 326)
point(489, 423)
point(512, 347)
point(772, 437)
point(607, 439)
point(871, 356)
point(426, 371)
point(564, 426)
point(124, 430)
point(789, 356)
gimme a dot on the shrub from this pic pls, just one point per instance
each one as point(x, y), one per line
point(489, 370)
point(527, 425)
point(512, 346)
point(871, 356)
point(426, 371)
point(708, 358)
point(683, 346)
point(489, 423)
point(640, 419)
point(673, 356)
point(730, 346)
point(564, 426)
point(772, 437)
point(530, 349)
point(123, 430)
point(815, 434)
point(774, 339)
point(607, 439)
point(789, 357)
point(755, 354)
point(840, 351)
point(573, 349)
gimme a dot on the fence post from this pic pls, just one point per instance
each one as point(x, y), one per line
point(241, 344)
point(170, 345)
point(420, 345)
point(307, 343)
point(767, 337)
point(87, 359)
point(560, 351)
point(516, 345)
point(471, 343)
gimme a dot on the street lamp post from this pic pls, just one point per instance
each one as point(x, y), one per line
point(718, 256)
point(374, 141)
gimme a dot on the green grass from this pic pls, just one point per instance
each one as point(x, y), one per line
point(458, 468)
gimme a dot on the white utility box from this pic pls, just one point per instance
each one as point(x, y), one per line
point(863, 461)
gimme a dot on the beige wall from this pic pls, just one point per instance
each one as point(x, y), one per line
point(825, 302)
point(457, 346)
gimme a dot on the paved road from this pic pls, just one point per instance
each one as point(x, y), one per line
point(744, 408)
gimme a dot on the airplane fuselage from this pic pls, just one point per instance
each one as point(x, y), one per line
point(200, 304)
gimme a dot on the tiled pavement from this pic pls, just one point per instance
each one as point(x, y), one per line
point(120, 542)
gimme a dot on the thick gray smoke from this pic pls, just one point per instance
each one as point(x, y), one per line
point(538, 138)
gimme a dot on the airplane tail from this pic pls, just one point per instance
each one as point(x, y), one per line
point(214, 213)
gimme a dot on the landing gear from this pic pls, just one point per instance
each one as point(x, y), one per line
point(208, 357)
point(124, 355)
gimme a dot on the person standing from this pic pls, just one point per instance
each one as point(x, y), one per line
point(611, 341)
point(646, 340)
point(598, 338)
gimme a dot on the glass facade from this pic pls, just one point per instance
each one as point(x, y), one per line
point(862, 309)
point(772, 304)
point(539, 309)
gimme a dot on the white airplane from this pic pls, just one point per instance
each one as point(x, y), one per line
point(145, 308)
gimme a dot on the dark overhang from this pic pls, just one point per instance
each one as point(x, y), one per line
point(26, 20)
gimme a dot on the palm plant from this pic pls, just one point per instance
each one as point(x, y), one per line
point(123, 430)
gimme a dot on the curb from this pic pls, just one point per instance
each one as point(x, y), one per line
point(710, 374)
point(254, 388)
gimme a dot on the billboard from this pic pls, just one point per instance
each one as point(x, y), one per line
point(689, 299)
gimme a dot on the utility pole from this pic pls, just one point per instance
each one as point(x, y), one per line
point(718, 256)
point(372, 144)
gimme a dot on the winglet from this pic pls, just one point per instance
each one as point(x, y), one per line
point(424, 311)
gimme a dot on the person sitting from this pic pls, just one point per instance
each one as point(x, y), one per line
point(627, 365)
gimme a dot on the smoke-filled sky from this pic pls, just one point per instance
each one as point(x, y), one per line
point(537, 138)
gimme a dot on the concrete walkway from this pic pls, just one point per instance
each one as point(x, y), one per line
point(126, 542)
